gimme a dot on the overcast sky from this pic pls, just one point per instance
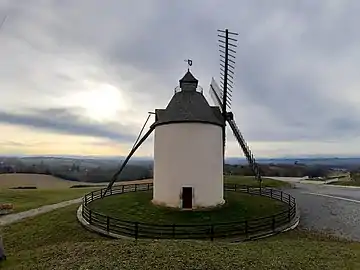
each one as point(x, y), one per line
point(79, 77)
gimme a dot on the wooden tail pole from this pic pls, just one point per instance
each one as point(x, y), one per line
point(133, 150)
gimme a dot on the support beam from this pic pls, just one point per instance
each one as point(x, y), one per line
point(133, 150)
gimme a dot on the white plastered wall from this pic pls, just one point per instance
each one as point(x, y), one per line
point(188, 155)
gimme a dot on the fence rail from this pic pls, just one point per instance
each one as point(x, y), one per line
point(241, 228)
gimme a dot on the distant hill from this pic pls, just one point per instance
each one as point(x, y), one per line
point(330, 161)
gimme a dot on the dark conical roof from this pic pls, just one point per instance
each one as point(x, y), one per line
point(188, 77)
point(189, 106)
point(188, 82)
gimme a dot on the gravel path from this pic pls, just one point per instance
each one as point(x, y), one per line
point(11, 218)
point(330, 209)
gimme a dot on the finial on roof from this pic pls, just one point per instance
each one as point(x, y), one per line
point(189, 62)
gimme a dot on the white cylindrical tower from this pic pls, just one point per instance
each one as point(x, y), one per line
point(188, 151)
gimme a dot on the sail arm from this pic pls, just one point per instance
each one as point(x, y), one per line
point(249, 156)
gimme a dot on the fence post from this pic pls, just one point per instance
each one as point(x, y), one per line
point(247, 189)
point(271, 193)
point(136, 230)
point(281, 196)
point(101, 193)
point(273, 223)
point(108, 223)
point(235, 187)
point(122, 189)
point(148, 186)
point(92, 195)
point(289, 199)
point(110, 191)
point(135, 187)
point(90, 216)
point(212, 232)
point(85, 201)
point(2, 251)
point(173, 230)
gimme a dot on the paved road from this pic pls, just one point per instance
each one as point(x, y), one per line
point(332, 209)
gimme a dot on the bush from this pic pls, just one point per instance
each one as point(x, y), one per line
point(29, 187)
point(82, 186)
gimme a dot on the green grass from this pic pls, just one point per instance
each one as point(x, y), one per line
point(137, 206)
point(28, 199)
point(347, 183)
point(250, 181)
point(56, 241)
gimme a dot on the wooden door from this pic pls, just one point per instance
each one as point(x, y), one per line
point(187, 195)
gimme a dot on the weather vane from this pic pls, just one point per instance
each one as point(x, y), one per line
point(189, 62)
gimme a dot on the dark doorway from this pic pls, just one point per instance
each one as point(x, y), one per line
point(187, 194)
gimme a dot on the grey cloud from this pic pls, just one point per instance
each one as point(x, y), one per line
point(60, 120)
point(285, 54)
point(12, 143)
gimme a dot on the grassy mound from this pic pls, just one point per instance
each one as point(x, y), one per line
point(137, 206)
point(56, 241)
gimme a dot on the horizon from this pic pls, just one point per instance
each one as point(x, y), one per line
point(151, 158)
point(83, 85)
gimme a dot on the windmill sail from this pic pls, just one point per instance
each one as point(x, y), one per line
point(215, 93)
point(249, 156)
point(218, 95)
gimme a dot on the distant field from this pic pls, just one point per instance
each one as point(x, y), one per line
point(250, 181)
point(49, 190)
point(347, 183)
point(40, 181)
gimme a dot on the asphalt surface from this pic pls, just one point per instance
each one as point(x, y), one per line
point(330, 209)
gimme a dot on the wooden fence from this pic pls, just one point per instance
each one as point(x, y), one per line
point(241, 228)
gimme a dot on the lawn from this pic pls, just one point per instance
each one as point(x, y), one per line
point(250, 181)
point(347, 183)
point(55, 241)
point(32, 198)
point(137, 206)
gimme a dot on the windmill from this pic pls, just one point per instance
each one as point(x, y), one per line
point(222, 96)
point(189, 141)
